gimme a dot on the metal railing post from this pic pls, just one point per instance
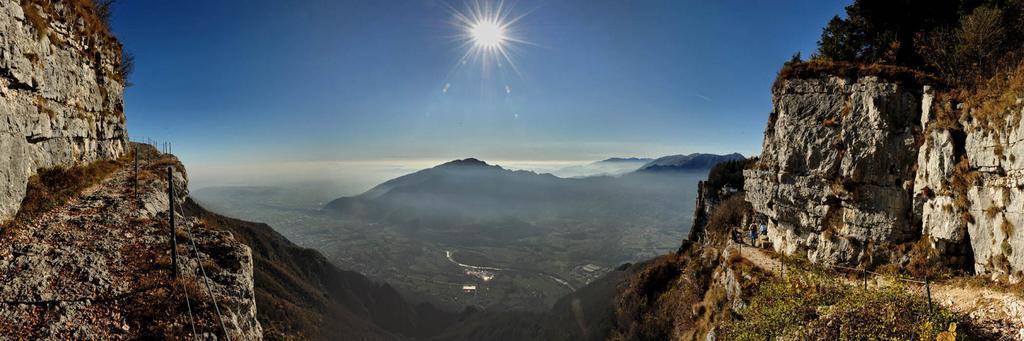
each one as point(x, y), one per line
point(928, 291)
point(864, 272)
point(137, 201)
point(170, 213)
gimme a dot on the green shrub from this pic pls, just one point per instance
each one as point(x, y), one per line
point(818, 306)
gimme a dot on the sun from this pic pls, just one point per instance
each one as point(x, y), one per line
point(487, 31)
point(487, 34)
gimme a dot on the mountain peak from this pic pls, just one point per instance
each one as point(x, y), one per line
point(695, 161)
point(468, 162)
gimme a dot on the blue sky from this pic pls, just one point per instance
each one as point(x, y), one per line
point(287, 81)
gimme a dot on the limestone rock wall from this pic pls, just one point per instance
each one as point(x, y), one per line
point(837, 167)
point(61, 103)
point(701, 211)
point(851, 167)
point(970, 187)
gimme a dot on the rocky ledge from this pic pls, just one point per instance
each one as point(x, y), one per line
point(99, 267)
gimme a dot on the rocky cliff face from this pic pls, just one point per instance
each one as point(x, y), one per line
point(837, 167)
point(851, 167)
point(61, 94)
point(969, 186)
point(93, 268)
point(701, 211)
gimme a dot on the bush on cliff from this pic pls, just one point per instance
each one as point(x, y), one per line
point(815, 306)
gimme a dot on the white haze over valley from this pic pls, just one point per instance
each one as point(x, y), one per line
point(322, 181)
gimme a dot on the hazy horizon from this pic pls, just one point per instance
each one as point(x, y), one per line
point(238, 83)
point(332, 179)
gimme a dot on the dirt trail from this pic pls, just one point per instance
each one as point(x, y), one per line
point(97, 267)
point(65, 260)
point(1000, 313)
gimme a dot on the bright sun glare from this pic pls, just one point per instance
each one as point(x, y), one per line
point(487, 31)
point(487, 34)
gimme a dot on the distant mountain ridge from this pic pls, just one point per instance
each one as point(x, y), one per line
point(626, 159)
point(610, 166)
point(681, 162)
point(466, 187)
point(457, 185)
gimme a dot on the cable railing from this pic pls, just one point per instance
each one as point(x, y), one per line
point(923, 284)
point(920, 286)
point(173, 210)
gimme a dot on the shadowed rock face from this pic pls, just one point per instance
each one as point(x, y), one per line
point(61, 104)
point(837, 167)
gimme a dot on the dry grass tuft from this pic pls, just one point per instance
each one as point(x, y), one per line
point(963, 179)
point(819, 68)
point(831, 122)
point(1007, 228)
point(992, 211)
point(35, 19)
point(993, 104)
point(927, 192)
point(53, 187)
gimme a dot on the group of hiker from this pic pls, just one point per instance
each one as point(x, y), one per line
point(754, 230)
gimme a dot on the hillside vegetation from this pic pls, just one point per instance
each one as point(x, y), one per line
point(819, 306)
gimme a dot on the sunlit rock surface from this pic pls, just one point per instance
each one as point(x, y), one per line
point(851, 167)
point(977, 206)
point(837, 167)
point(60, 101)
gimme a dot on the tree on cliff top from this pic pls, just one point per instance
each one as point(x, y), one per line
point(959, 40)
point(880, 31)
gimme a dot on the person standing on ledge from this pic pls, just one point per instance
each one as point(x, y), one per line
point(753, 234)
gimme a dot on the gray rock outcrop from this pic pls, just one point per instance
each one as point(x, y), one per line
point(836, 168)
point(852, 167)
point(61, 100)
point(970, 187)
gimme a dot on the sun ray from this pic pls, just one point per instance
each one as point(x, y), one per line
point(487, 33)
